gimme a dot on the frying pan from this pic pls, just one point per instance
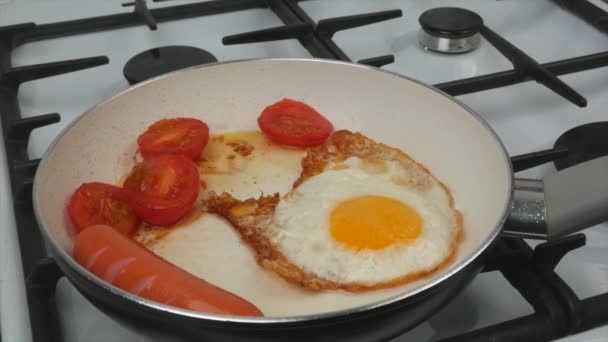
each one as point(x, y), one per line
point(434, 128)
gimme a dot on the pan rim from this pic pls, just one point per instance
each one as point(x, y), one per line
point(408, 295)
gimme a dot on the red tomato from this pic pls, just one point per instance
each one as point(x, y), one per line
point(99, 203)
point(294, 123)
point(174, 136)
point(163, 188)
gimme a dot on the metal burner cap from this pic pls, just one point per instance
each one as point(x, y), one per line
point(450, 30)
point(161, 60)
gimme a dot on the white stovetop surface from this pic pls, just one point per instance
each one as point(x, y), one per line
point(527, 117)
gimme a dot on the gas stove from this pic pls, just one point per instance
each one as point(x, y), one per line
point(79, 53)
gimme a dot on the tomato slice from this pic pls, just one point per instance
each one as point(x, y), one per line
point(99, 203)
point(294, 123)
point(184, 136)
point(163, 188)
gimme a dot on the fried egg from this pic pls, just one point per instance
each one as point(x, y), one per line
point(361, 216)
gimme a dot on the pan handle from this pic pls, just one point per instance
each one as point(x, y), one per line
point(562, 203)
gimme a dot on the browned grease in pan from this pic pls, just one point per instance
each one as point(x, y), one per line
point(147, 234)
point(228, 153)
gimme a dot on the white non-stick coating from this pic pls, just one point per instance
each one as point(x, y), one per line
point(434, 129)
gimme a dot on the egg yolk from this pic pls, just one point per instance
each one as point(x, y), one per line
point(373, 222)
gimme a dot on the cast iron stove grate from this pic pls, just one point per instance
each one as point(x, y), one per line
point(558, 311)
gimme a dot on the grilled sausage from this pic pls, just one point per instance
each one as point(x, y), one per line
point(131, 267)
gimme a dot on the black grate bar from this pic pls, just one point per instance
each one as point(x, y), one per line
point(297, 10)
point(322, 35)
point(545, 257)
point(332, 46)
point(526, 280)
point(332, 25)
point(44, 318)
point(7, 33)
point(22, 128)
point(326, 28)
point(23, 192)
point(142, 11)
point(26, 168)
point(40, 283)
point(533, 159)
point(588, 12)
point(506, 78)
point(324, 31)
point(114, 21)
point(45, 274)
point(525, 65)
point(15, 76)
point(41, 306)
point(293, 31)
point(515, 260)
point(543, 260)
point(44, 322)
point(378, 61)
point(596, 311)
point(549, 254)
point(577, 64)
point(290, 17)
point(334, 51)
point(13, 29)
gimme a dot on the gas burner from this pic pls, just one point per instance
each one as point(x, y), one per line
point(450, 30)
point(161, 60)
point(584, 143)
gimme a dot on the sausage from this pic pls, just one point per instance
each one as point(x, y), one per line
point(131, 267)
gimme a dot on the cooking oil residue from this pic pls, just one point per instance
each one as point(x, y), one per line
point(147, 234)
point(247, 163)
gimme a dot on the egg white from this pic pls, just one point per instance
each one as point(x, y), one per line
point(300, 226)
